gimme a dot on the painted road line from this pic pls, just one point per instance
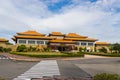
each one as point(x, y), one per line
point(44, 68)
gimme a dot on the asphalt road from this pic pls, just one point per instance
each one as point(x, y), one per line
point(69, 68)
point(98, 65)
point(10, 69)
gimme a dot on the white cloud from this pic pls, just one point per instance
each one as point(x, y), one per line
point(99, 19)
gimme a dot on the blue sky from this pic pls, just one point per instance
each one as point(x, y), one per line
point(94, 18)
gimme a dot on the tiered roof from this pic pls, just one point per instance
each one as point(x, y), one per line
point(56, 34)
point(75, 35)
point(31, 32)
point(102, 43)
point(62, 41)
point(70, 37)
point(81, 39)
point(3, 40)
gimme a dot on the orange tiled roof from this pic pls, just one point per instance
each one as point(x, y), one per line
point(31, 32)
point(85, 39)
point(75, 35)
point(3, 40)
point(56, 34)
point(104, 43)
point(33, 37)
point(61, 41)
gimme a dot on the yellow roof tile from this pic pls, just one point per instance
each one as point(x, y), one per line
point(61, 41)
point(75, 35)
point(31, 32)
point(82, 39)
point(33, 37)
point(56, 34)
point(102, 43)
point(3, 40)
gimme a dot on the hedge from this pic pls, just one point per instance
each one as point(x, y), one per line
point(106, 76)
point(41, 55)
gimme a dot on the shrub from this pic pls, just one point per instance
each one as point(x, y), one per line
point(1, 49)
point(103, 49)
point(80, 49)
point(31, 48)
point(47, 49)
point(1, 78)
point(5, 49)
point(105, 76)
point(43, 55)
point(21, 48)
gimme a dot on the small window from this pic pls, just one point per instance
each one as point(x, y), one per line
point(90, 44)
point(77, 43)
point(46, 42)
point(22, 41)
point(31, 42)
point(40, 42)
point(83, 43)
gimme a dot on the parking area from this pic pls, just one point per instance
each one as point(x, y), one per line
point(84, 67)
point(10, 69)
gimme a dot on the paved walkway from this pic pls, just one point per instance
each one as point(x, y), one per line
point(43, 68)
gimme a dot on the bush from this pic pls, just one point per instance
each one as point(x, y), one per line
point(21, 48)
point(103, 49)
point(31, 48)
point(105, 76)
point(1, 78)
point(49, 55)
point(5, 49)
point(1, 49)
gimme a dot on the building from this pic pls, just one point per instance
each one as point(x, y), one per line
point(55, 40)
point(99, 45)
point(3, 42)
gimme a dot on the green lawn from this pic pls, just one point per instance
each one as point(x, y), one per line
point(48, 54)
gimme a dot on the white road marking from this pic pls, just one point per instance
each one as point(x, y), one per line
point(44, 68)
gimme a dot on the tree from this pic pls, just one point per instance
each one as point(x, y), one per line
point(22, 48)
point(116, 47)
point(103, 49)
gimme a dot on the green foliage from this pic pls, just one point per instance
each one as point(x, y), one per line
point(21, 48)
point(1, 78)
point(31, 49)
point(103, 49)
point(105, 76)
point(49, 55)
point(5, 49)
point(47, 49)
point(1, 49)
point(80, 49)
point(116, 47)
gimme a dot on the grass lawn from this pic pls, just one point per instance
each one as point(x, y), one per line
point(48, 54)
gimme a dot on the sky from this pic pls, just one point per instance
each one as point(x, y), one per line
point(99, 19)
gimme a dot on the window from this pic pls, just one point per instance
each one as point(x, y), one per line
point(46, 42)
point(22, 41)
point(40, 42)
point(77, 43)
point(90, 44)
point(31, 42)
point(83, 43)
